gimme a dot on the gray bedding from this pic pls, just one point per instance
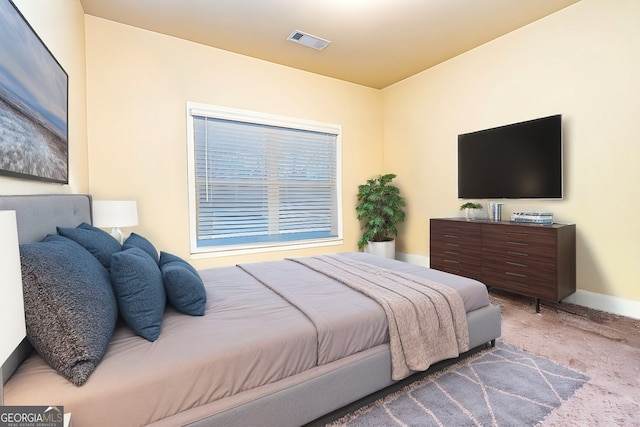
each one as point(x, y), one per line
point(470, 290)
point(426, 320)
point(346, 321)
point(250, 339)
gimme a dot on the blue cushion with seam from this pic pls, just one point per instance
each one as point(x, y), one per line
point(139, 290)
point(98, 242)
point(184, 287)
point(137, 241)
point(166, 257)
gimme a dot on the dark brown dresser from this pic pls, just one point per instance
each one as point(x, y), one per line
point(529, 259)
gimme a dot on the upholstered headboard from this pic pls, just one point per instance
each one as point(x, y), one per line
point(37, 216)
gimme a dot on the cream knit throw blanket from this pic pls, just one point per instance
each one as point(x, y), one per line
point(427, 320)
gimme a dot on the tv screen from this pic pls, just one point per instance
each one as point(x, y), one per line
point(516, 161)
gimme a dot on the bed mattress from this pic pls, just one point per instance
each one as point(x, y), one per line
point(250, 338)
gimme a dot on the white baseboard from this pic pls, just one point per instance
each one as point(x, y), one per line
point(413, 259)
point(611, 304)
point(615, 305)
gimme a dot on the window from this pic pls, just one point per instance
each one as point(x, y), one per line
point(259, 181)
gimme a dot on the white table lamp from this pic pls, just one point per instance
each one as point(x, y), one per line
point(115, 214)
point(12, 323)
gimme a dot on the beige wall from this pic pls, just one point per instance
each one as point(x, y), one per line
point(138, 83)
point(60, 25)
point(582, 62)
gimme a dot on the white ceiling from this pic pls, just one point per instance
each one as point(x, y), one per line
point(373, 42)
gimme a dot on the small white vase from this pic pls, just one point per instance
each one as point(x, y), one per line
point(472, 213)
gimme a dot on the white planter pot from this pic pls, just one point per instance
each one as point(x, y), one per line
point(472, 214)
point(383, 249)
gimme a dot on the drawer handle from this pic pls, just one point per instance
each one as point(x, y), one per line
point(452, 253)
point(517, 253)
point(518, 243)
point(523, 285)
point(451, 236)
point(509, 273)
point(516, 264)
point(513, 233)
point(451, 261)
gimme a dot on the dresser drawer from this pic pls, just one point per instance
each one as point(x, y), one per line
point(456, 248)
point(520, 241)
point(534, 265)
point(467, 253)
point(520, 282)
point(455, 231)
point(463, 261)
point(457, 257)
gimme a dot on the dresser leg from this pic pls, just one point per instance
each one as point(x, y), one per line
point(537, 305)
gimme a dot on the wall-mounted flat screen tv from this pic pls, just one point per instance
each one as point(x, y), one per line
point(517, 161)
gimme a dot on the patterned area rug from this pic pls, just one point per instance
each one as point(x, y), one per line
point(503, 386)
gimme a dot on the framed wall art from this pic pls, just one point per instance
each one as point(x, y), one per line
point(34, 141)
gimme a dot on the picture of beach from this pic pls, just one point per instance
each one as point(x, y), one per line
point(33, 103)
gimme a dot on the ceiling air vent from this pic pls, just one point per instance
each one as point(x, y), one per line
point(308, 40)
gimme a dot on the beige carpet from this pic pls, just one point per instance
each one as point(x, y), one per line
point(603, 346)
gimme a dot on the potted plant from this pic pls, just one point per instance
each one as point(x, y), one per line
point(472, 210)
point(379, 209)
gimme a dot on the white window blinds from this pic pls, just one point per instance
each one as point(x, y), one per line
point(262, 183)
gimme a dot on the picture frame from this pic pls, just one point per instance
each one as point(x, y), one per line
point(34, 101)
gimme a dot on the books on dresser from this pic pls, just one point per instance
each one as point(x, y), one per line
point(532, 217)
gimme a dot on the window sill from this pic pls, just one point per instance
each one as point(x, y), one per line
point(202, 253)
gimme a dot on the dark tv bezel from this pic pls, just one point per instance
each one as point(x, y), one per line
point(557, 120)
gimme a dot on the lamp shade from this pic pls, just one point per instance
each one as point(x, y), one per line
point(12, 323)
point(115, 213)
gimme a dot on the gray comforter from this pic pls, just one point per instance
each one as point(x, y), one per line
point(426, 321)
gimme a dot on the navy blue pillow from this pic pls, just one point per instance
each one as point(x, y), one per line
point(137, 241)
point(184, 287)
point(100, 243)
point(138, 286)
point(166, 257)
point(70, 308)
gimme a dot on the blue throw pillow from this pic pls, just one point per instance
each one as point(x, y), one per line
point(70, 308)
point(166, 257)
point(184, 287)
point(100, 243)
point(138, 286)
point(137, 241)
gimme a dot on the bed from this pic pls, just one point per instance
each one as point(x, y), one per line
point(279, 343)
